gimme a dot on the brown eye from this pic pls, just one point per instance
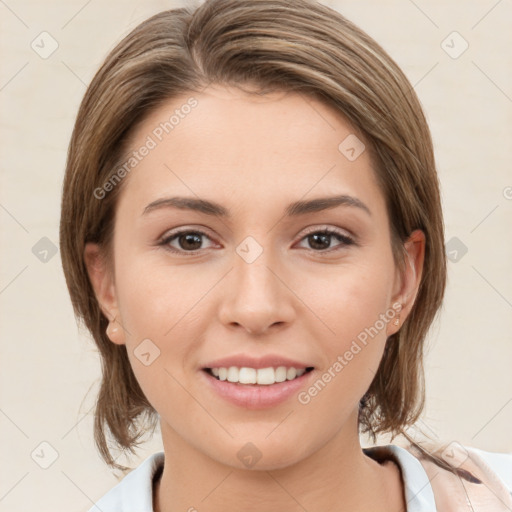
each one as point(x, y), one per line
point(321, 240)
point(184, 241)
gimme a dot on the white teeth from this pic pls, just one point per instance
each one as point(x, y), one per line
point(266, 376)
point(233, 374)
point(291, 373)
point(261, 376)
point(281, 374)
point(247, 376)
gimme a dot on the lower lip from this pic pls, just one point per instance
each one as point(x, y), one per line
point(254, 396)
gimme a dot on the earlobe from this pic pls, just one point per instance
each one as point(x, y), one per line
point(102, 281)
point(114, 333)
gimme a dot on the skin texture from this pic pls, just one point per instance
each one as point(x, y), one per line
point(299, 299)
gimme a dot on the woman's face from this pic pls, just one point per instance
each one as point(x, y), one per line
point(220, 262)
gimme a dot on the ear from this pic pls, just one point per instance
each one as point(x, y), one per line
point(102, 281)
point(407, 282)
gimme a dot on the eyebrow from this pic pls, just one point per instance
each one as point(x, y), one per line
point(292, 210)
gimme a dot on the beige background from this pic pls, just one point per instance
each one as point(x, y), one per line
point(48, 366)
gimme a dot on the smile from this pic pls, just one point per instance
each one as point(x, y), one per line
point(256, 388)
point(259, 376)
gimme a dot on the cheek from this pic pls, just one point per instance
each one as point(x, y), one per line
point(161, 310)
point(351, 310)
point(347, 301)
point(154, 299)
point(157, 313)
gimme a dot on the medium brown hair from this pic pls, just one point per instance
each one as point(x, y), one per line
point(300, 46)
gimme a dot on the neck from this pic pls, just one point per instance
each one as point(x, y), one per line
point(338, 477)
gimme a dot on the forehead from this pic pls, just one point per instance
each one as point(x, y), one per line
point(237, 145)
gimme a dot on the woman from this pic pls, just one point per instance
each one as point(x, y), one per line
point(252, 232)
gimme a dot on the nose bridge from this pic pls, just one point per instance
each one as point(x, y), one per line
point(254, 280)
point(256, 297)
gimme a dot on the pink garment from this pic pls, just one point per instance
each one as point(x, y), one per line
point(454, 493)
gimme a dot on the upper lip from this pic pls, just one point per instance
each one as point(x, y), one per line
point(267, 361)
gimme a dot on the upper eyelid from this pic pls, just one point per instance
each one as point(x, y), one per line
point(205, 231)
point(325, 227)
point(171, 233)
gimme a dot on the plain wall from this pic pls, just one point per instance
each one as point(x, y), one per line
point(49, 369)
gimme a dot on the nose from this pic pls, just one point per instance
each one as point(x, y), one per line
point(256, 295)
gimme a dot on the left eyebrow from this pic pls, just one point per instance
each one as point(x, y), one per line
point(292, 210)
point(325, 203)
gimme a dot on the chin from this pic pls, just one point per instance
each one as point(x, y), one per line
point(263, 453)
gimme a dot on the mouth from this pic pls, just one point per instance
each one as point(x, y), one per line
point(257, 376)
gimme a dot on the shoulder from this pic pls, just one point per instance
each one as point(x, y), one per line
point(135, 491)
point(467, 478)
point(451, 478)
point(499, 463)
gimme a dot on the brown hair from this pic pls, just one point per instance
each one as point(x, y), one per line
point(299, 46)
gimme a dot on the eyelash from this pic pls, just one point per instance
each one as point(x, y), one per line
point(344, 239)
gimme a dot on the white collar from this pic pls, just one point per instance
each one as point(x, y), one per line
point(419, 496)
point(135, 491)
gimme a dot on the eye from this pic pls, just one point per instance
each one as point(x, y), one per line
point(187, 240)
point(320, 240)
point(190, 241)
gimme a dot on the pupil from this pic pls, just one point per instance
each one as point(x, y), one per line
point(325, 238)
point(189, 238)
